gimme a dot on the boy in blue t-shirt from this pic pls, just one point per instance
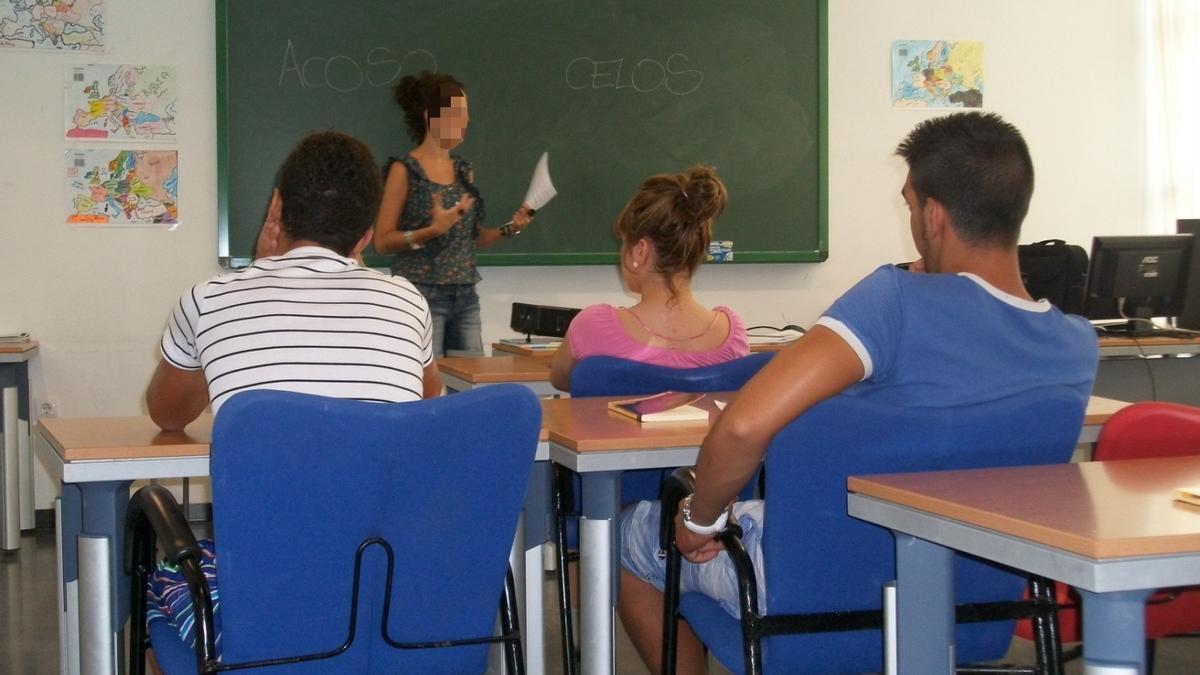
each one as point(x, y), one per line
point(957, 328)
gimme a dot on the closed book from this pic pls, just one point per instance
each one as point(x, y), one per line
point(669, 406)
point(1190, 495)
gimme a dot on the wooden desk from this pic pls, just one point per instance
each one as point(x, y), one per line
point(464, 373)
point(544, 353)
point(16, 463)
point(599, 445)
point(1153, 368)
point(1110, 529)
point(96, 460)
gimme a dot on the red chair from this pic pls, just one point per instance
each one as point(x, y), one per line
point(1140, 431)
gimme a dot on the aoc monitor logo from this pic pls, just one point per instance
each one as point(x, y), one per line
point(1148, 268)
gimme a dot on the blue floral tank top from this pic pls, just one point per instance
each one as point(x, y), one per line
point(450, 258)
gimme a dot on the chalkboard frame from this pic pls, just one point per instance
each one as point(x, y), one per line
point(495, 258)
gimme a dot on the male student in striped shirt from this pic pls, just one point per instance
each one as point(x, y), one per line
point(305, 316)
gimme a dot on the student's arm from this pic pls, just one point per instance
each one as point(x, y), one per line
point(432, 381)
point(561, 366)
point(819, 365)
point(176, 397)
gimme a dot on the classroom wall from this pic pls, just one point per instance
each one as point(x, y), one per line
point(1068, 73)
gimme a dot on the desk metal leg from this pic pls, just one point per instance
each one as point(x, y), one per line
point(925, 606)
point(537, 533)
point(1114, 632)
point(598, 570)
point(93, 537)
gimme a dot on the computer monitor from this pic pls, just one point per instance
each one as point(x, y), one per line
point(1137, 278)
point(1189, 318)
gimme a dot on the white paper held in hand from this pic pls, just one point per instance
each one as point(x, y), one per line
point(541, 190)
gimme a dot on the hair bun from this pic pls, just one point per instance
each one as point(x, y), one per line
point(704, 193)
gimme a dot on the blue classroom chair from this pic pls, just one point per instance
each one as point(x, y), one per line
point(825, 570)
point(424, 496)
point(611, 376)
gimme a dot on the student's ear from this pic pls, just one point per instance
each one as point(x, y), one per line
point(936, 219)
point(361, 246)
point(641, 254)
point(271, 236)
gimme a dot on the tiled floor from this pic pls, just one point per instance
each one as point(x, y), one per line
point(29, 628)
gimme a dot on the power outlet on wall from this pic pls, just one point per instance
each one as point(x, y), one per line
point(48, 407)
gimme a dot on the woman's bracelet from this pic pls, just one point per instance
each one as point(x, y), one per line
point(507, 231)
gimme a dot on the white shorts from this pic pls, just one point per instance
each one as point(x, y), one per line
point(641, 555)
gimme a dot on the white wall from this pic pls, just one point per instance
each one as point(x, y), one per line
point(1067, 73)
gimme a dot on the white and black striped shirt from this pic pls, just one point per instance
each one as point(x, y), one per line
point(309, 321)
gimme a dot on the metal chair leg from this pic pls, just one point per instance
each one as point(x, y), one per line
point(560, 495)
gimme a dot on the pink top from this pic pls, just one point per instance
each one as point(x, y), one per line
point(596, 331)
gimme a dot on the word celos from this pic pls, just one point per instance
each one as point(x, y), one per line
point(343, 73)
point(642, 76)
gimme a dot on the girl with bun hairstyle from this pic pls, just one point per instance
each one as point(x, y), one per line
point(432, 214)
point(664, 231)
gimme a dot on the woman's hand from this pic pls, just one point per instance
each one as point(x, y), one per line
point(444, 218)
point(521, 218)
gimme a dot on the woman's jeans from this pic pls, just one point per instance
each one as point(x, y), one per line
point(456, 324)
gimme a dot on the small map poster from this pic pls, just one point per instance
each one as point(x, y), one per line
point(120, 102)
point(937, 74)
point(122, 187)
point(76, 25)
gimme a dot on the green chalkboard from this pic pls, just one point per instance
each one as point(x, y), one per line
point(614, 90)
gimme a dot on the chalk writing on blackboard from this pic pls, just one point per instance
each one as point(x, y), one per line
point(344, 73)
point(643, 75)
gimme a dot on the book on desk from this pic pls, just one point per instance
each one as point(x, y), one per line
point(669, 406)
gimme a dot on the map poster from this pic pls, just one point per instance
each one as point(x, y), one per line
point(937, 74)
point(76, 25)
point(120, 102)
point(122, 187)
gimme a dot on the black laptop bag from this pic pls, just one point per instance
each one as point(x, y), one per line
point(1056, 271)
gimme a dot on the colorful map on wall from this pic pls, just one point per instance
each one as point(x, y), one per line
point(120, 102)
point(937, 74)
point(122, 187)
point(52, 24)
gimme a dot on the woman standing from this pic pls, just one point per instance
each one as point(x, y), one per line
point(432, 213)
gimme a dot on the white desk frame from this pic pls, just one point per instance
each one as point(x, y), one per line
point(1115, 589)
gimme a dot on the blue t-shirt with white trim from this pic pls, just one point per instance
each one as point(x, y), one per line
point(936, 340)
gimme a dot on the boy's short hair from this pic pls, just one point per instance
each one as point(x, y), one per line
point(331, 188)
point(978, 166)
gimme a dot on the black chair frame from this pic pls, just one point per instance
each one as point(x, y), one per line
point(1041, 607)
point(155, 520)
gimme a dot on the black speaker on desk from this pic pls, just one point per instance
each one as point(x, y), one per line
point(1190, 318)
point(541, 319)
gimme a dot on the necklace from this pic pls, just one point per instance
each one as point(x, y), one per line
point(646, 328)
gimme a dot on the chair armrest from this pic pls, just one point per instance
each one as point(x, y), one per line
point(154, 515)
point(157, 506)
point(678, 485)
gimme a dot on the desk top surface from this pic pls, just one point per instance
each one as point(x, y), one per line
point(1108, 341)
point(578, 424)
point(491, 369)
point(1096, 509)
point(18, 347)
point(101, 438)
point(587, 425)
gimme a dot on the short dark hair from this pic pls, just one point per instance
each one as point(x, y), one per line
point(425, 94)
point(330, 187)
point(978, 166)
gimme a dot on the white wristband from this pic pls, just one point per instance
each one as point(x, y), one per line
point(685, 507)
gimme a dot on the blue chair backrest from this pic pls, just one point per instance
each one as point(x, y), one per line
point(819, 559)
point(612, 376)
point(300, 481)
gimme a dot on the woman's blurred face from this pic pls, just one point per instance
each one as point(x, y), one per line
point(450, 126)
